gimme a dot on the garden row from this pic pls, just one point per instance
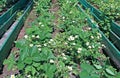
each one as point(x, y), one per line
point(11, 22)
point(62, 43)
point(107, 16)
point(5, 4)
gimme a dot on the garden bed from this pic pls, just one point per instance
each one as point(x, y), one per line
point(6, 42)
point(105, 24)
point(10, 16)
point(60, 44)
point(5, 5)
point(108, 8)
point(111, 43)
point(104, 21)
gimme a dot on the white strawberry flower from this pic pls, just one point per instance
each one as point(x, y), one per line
point(118, 14)
point(87, 43)
point(64, 58)
point(63, 17)
point(70, 12)
point(98, 37)
point(89, 28)
point(33, 36)
point(103, 45)
point(63, 54)
point(31, 45)
point(73, 21)
point(92, 21)
point(51, 40)
point(66, 43)
point(69, 67)
point(45, 44)
point(80, 49)
point(38, 45)
point(12, 76)
point(39, 49)
point(76, 36)
point(71, 38)
point(51, 61)
point(89, 47)
point(92, 37)
point(40, 23)
point(26, 36)
point(37, 36)
point(73, 43)
point(28, 76)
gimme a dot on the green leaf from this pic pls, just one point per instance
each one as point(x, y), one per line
point(87, 67)
point(28, 60)
point(49, 69)
point(10, 62)
point(10, 66)
point(33, 71)
point(37, 58)
point(30, 69)
point(84, 74)
point(94, 75)
point(110, 72)
point(24, 53)
point(61, 64)
point(117, 75)
point(97, 66)
point(48, 35)
point(46, 54)
point(20, 43)
point(36, 64)
point(34, 50)
point(20, 65)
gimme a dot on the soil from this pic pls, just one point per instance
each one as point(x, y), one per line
point(30, 18)
point(4, 10)
point(54, 9)
point(118, 22)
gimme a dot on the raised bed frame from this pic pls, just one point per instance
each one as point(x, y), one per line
point(109, 48)
point(9, 37)
point(97, 14)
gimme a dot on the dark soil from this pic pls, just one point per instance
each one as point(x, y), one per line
point(4, 10)
point(54, 9)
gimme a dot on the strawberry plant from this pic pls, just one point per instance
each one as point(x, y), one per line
point(109, 8)
point(74, 52)
point(2, 4)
